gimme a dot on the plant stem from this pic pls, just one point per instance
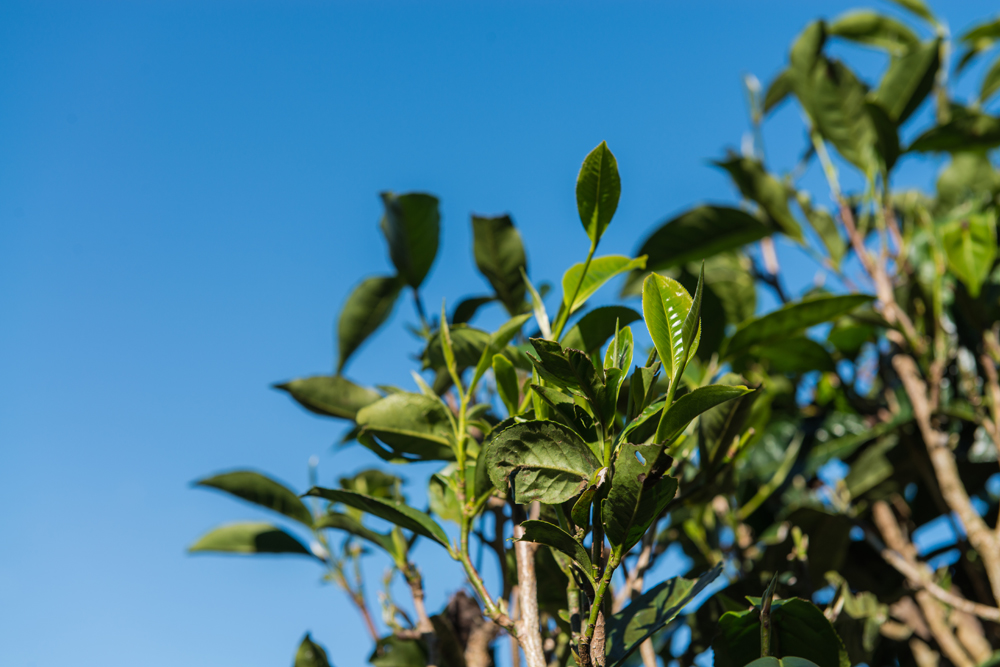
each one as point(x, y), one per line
point(564, 316)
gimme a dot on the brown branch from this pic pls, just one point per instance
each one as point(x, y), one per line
point(424, 625)
point(529, 634)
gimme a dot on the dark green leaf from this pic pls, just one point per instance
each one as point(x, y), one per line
point(597, 326)
point(467, 308)
point(887, 135)
point(543, 532)
point(792, 319)
point(330, 395)
point(908, 80)
point(692, 404)
point(651, 611)
point(411, 227)
point(874, 29)
point(250, 538)
point(467, 344)
point(639, 493)
point(835, 100)
point(497, 342)
point(543, 461)
point(397, 513)
point(310, 654)
point(779, 89)
point(756, 184)
point(507, 384)
point(795, 355)
point(968, 130)
point(598, 188)
point(970, 247)
point(350, 525)
point(367, 308)
point(391, 651)
point(411, 424)
point(261, 490)
point(499, 253)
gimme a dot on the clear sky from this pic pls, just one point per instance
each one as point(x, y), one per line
point(188, 190)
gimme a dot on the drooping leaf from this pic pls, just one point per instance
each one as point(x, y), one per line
point(600, 271)
point(467, 308)
point(873, 29)
point(543, 532)
point(507, 384)
point(310, 654)
point(649, 612)
point(248, 537)
point(991, 82)
point(597, 326)
point(260, 490)
point(639, 493)
point(374, 482)
point(411, 424)
point(330, 395)
point(698, 234)
point(397, 513)
point(792, 319)
point(970, 248)
point(968, 130)
point(756, 184)
point(543, 461)
point(499, 254)
point(798, 629)
point(411, 225)
point(908, 80)
point(598, 188)
point(352, 526)
point(677, 417)
point(367, 308)
point(777, 91)
point(665, 305)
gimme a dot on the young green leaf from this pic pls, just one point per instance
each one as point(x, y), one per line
point(619, 352)
point(543, 532)
point(792, 319)
point(600, 271)
point(397, 513)
point(499, 254)
point(874, 29)
point(918, 7)
point(908, 80)
point(411, 225)
point(367, 308)
point(991, 82)
point(542, 460)
point(250, 538)
point(649, 612)
point(777, 91)
point(498, 341)
point(639, 493)
point(970, 247)
point(310, 654)
point(665, 306)
point(758, 185)
point(538, 308)
point(596, 326)
point(467, 344)
point(967, 178)
point(677, 416)
point(260, 490)
point(330, 395)
point(507, 384)
point(598, 188)
point(411, 424)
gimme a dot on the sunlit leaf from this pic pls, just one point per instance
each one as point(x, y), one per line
point(410, 424)
point(310, 654)
point(330, 395)
point(600, 271)
point(968, 130)
point(598, 188)
point(908, 80)
point(970, 247)
point(874, 29)
point(665, 305)
point(690, 405)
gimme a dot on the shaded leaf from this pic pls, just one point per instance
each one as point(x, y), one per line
point(968, 130)
point(542, 460)
point(250, 538)
point(826, 228)
point(499, 254)
point(467, 308)
point(543, 532)
point(507, 385)
point(639, 493)
point(411, 225)
point(779, 89)
point(594, 329)
point(795, 355)
point(367, 308)
point(330, 395)
point(391, 651)
point(918, 7)
point(756, 184)
point(991, 82)
point(690, 405)
point(970, 176)
point(310, 654)
point(598, 188)
point(350, 525)
point(260, 490)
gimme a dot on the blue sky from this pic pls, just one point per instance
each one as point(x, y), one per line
point(188, 191)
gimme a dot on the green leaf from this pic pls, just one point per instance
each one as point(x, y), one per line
point(391, 651)
point(565, 368)
point(411, 225)
point(835, 100)
point(350, 525)
point(367, 308)
point(677, 417)
point(792, 319)
point(543, 532)
point(497, 342)
point(991, 82)
point(441, 495)
point(467, 344)
point(639, 493)
point(798, 629)
point(543, 461)
point(651, 611)
point(918, 7)
point(795, 355)
point(499, 254)
point(722, 425)
point(467, 308)
point(411, 424)
point(698, 234)
point(779, 89)
point(330, 395)
point(970, 248)
point(791, 661)
point(619, 352)
point(600, 271)
point(261, 490)
point(826, 228)
point(394, 512)
point(248, 537)
point(968, 130)
point(887, 135)
point(756, 184)
point(665, 305)
point(598, 188)
point(874, 29)
point(597, 326)
point(507, 384)
point(969, 177)
point(908, 80)
point(310, 654)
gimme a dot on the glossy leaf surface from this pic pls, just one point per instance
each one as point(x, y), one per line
point(598, 188)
